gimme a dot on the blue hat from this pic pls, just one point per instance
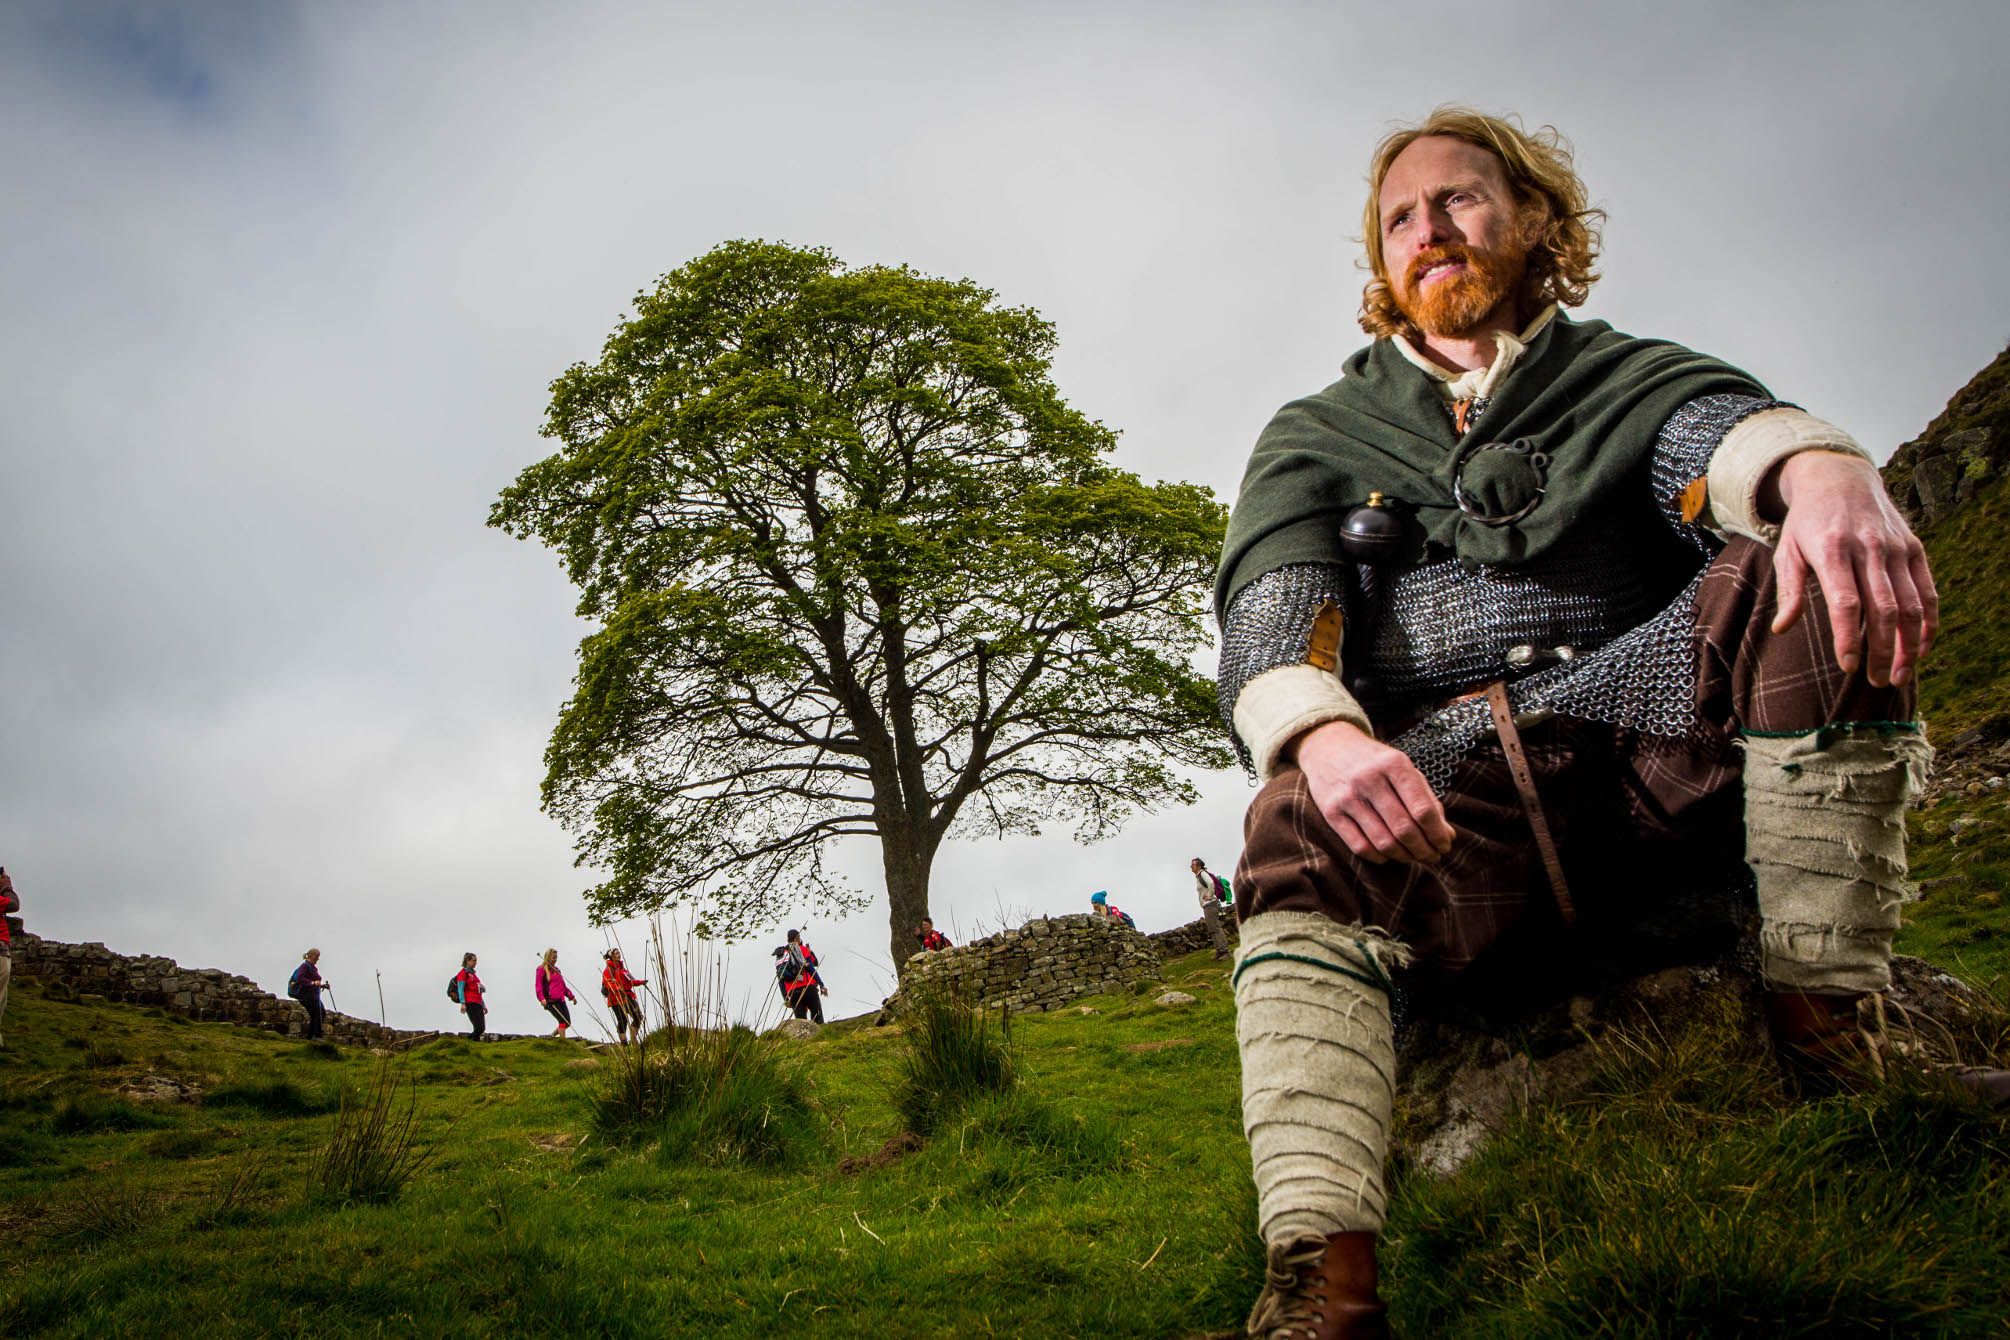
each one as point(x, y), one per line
point(1100, 896)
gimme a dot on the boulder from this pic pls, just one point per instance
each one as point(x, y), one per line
point(795, 1028)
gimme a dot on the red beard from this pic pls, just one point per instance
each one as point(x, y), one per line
point(1454, 305)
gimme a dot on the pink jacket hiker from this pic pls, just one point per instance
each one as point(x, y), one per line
point(551, 985)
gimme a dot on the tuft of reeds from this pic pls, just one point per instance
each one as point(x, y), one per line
point(374, 1149)
point(700, 1087)
point(953, 1052)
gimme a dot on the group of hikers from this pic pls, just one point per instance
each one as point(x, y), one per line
point(464, 988)
point(798, 976)
point(1217, 899)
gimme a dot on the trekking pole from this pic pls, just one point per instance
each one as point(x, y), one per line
point(331, 999)
point(382, 1014)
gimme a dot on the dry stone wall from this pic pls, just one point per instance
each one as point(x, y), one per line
point(196, 993)
point(1192, 937)
point(1050, 961)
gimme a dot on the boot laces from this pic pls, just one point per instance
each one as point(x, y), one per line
point(1293, 1290)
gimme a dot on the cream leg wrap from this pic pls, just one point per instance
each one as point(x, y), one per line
point(1825, 836)
point(1318, 1071)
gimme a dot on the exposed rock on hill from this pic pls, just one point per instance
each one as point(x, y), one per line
point(1457, 1085)
point(1965, 449)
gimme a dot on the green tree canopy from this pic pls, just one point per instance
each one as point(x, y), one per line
point(856, 570)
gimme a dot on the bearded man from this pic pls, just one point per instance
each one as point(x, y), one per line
point(1529, 625)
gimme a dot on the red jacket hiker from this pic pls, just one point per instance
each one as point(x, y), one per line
point(616, 984)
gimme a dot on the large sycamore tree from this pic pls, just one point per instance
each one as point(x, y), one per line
point(856, 570)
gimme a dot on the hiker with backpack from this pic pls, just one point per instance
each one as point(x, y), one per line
point(1216, 897)
point(553, 993)
point(1101, 906)
point(306, 986)
point(802, 985)
point(617, 988)
point(466, 988)
point(932, 940)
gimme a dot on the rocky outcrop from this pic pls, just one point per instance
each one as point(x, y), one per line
point(208, 994)
point(1961, 452)
point(1457, 1085)
point(1040, 965)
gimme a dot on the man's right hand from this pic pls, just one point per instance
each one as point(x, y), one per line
point(1373, 796)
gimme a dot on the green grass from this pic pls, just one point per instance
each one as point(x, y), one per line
point(1106, 1194)
point(1958, 922)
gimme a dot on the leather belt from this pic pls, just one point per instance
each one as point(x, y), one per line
point(1531, 803)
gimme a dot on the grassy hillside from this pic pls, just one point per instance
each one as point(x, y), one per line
point(1961, 839)
point(1686, 1196)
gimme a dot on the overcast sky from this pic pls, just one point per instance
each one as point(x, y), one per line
point(284, 287)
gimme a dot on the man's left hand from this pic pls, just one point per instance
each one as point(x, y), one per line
point(1841, 526)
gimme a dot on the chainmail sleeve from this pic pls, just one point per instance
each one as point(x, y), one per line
point(1687, 442)
point(1269, 624)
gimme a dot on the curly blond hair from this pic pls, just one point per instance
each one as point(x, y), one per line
point(1549, 195)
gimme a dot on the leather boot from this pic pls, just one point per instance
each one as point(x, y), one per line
point(1321, 1289)
point(1826, 1051)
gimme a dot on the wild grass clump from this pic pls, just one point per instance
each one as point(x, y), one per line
point(1066, 1144)
point(374, 1150)
point(702, 1088)
point(954, 1053)
point(276, 1098)
point(103, 1056)
point(90, 1113)
point(228, 1205)
point(718, 1096)
point(107, 1213)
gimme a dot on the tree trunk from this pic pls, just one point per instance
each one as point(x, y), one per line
point(908, 861)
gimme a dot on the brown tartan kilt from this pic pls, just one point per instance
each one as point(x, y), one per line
point(1650, 829)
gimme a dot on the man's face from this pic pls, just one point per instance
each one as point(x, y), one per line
point(1452, 238)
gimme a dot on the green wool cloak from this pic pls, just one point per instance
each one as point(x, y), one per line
point(1588, 397)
